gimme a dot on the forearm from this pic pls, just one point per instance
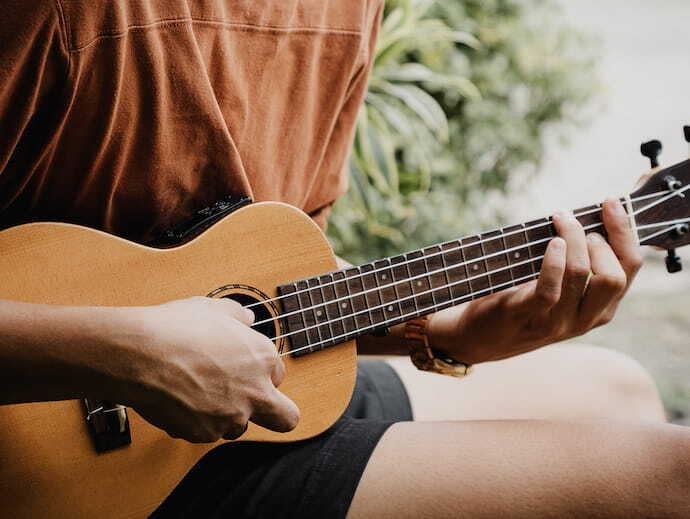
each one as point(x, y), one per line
point(441, 330)
point(391, 344)
point(57, 352)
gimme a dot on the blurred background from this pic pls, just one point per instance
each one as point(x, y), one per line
point(489, 112)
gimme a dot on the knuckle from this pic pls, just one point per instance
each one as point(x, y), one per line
point(613, 282)
point(547, 297)
point(578, 271)
point(235, 430)
point(606, 317)
point(558, 330)
point(636, 259)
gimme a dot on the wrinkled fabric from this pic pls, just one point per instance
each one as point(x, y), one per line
point(130, 115)
point(312, 478)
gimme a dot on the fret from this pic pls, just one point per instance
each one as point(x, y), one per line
point(316, 296)
point(454, 256)
point(354, 285)
point(540, 232)
point(389, 296)
point(344, 306)
point(434, 262)
point(515, 240)
point(421, 284)
point(406, 304)
point(505, 247)
point(475, 265)
point(373, 298)
point(492, 246)
point(293, 322)
point(332, 309)
point(308, 316)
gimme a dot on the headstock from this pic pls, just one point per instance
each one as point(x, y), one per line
point(662, 207)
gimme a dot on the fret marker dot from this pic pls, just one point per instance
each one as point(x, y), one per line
point(419, 283)
point(319, 313)
point(343, 305)
point(390, 308)
point(475, 267)
point(516, 255)
point(383, 276)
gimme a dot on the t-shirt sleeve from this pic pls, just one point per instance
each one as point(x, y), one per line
point(34, 62)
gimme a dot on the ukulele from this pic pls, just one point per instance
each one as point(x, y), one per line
point(98, 459)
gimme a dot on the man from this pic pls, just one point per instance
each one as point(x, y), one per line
point(128, 116)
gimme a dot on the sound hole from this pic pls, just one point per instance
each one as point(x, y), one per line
point(261, 313)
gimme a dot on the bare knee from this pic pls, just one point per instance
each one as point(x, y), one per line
point(624, 383)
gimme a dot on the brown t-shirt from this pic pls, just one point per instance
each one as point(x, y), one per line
point(129, 115)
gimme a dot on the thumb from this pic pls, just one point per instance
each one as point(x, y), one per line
point(239, 312)
point(277, 413)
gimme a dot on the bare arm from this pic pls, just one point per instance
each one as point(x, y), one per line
point(191, 367)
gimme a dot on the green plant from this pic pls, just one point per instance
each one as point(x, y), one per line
point(460, 97)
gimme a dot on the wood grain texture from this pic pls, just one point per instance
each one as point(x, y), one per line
point(48, 467)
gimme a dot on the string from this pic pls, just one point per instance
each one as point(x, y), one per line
point(418, 276)
point(675, 192)
point(412, 296)
point(436, 306)
point(659, 224)
point(416, 312)
point(437, 271)
point(546, 223)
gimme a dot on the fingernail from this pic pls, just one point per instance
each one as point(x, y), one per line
point(596, 237)
point(558, 243)
point(564, 215)
point(249, 314)
point(616, 204)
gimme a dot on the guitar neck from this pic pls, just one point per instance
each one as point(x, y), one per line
point(342, 305)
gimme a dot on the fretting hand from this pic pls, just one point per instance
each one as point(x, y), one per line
point(581, 282)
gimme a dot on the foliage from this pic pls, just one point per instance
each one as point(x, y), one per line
point(461, 95)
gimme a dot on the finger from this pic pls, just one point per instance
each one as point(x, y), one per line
point(606, 286)
point(577, 266)
point(622, 239)
point(277, 412)
point(236, 431)
point(278, 373)
point(239, 312)
point(547, 290)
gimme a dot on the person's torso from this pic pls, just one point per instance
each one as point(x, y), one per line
point(145, 111)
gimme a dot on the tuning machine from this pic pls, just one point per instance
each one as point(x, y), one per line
point(673, 262)
point(652, 150)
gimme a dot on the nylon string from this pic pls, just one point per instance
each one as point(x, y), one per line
point(433, 307)
point(443, 287)
point(547, 222)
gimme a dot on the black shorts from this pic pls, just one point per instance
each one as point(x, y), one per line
point(312, 478)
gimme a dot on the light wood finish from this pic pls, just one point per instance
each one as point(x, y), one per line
point(48, 466)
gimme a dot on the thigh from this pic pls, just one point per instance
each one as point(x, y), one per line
point(557, 382)
point(516, 469)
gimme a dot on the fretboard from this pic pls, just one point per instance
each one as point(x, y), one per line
point(342, 305)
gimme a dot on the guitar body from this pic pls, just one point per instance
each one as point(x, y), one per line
point(48, 464)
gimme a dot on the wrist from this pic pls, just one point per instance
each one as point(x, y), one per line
point(444, 330)
point(427, 358)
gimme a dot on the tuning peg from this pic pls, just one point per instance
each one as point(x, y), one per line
point(673, 262)
point(652, 150)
